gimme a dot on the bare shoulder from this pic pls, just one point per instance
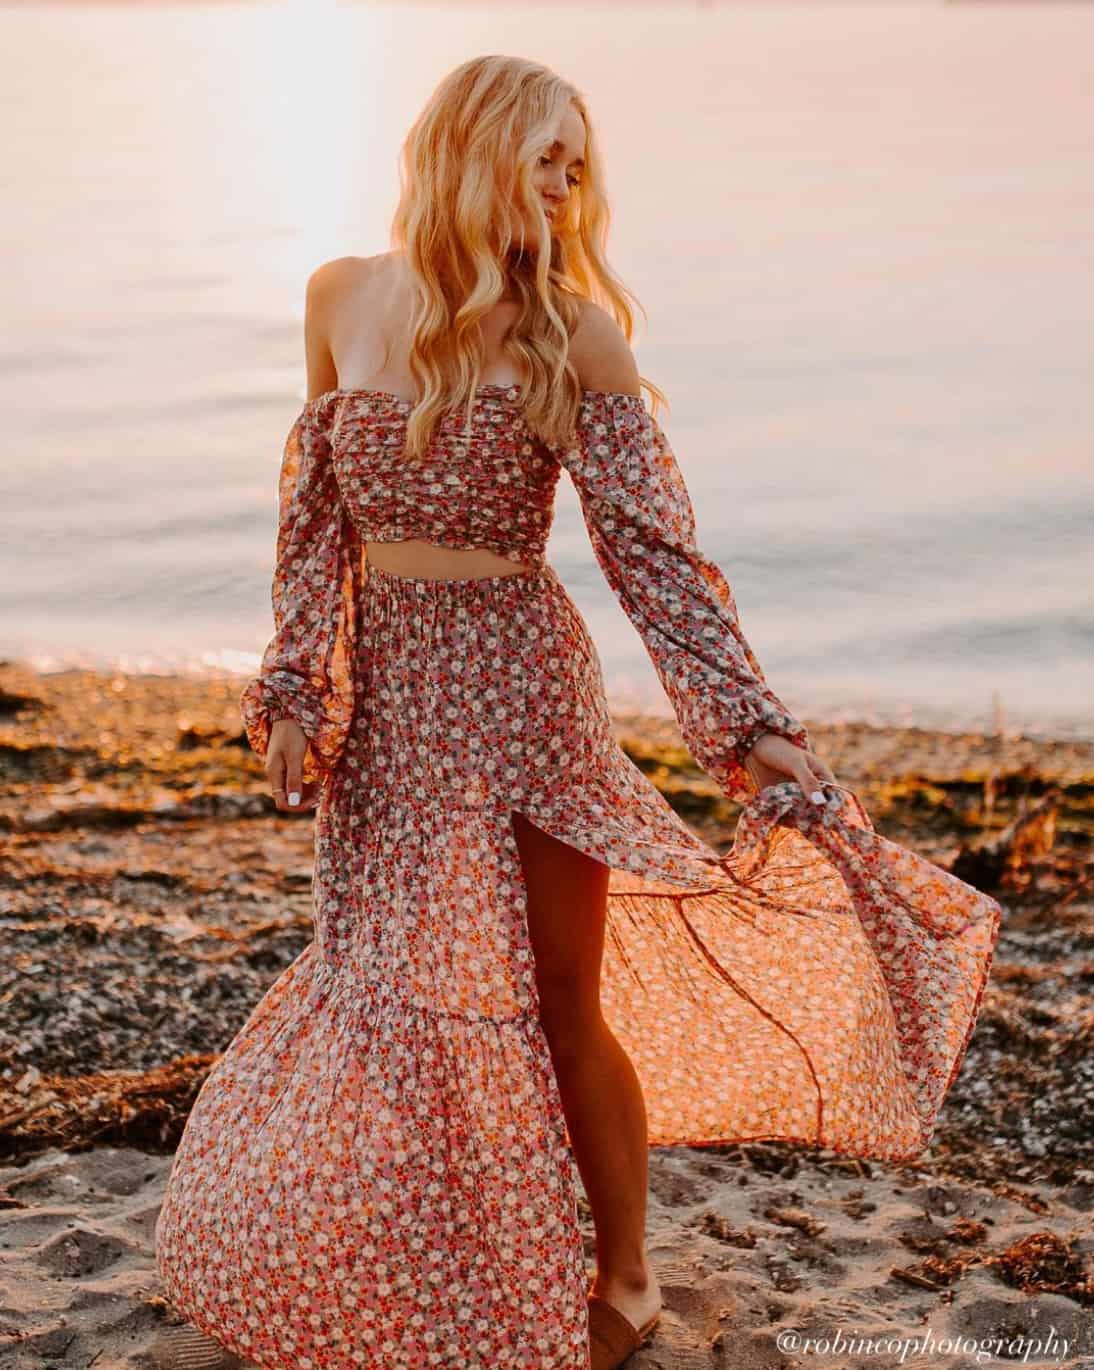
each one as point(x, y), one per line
point(601, 354)
point(332, 288)
point(332, 280)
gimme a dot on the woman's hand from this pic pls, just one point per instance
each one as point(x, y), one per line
point(774, 758)
point(284, 767)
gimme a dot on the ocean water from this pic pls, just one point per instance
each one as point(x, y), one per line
point(863, 236)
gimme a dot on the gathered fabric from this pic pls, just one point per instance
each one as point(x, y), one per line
point(378, 1171)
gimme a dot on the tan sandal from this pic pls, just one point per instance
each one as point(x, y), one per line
point(612, 1336)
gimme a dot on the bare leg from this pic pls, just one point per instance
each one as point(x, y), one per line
point(601, 1096)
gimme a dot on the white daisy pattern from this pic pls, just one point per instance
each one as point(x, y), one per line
point(377, 1170)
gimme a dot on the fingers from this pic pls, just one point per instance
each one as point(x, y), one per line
point(294, 784)
point(285, 756)
point(812, 775)
point(799, 764)
point(284, 775)
point(821, 767)
point(309, 799)
point(810, 782)
point(275, 774)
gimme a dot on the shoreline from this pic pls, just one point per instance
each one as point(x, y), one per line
point(151, 893)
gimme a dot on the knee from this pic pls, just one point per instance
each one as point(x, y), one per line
point(570, 1018)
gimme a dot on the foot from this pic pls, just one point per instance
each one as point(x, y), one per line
point(637, 1297)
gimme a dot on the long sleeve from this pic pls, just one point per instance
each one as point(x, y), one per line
point(307, 668)
point(642, 528)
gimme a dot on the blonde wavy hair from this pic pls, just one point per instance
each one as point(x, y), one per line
point(466, 174)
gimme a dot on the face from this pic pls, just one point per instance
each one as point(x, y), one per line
point(560, 167)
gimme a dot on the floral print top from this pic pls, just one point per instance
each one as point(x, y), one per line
point(378, 1169)
point(340, 487)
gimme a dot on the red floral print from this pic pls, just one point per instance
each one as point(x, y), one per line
point(377, 1171)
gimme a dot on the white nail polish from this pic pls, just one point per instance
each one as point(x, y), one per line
point(818, 797)
point(294, 798)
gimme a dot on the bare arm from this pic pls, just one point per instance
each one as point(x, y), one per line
point(320, 297)
point(601, 354)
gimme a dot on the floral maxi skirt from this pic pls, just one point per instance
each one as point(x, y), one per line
point(377, 1171)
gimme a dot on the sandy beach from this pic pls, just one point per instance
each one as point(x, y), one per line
point(151, 893)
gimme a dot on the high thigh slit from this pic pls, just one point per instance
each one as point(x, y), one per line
point(377, 1170)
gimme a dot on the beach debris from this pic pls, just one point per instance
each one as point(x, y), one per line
point(1044, 1262)
point(1006, 860)
point(722, 1230)
point(791, 1217)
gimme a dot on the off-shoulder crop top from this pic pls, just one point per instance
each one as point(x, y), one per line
point(344, 482)
point(491, 485)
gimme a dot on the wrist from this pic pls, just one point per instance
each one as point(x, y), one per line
point(747, 743)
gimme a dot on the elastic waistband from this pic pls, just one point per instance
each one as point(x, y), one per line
point(544, 572)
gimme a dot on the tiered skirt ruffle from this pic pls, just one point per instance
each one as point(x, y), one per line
point(377, 1171)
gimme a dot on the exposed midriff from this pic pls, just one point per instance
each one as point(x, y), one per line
point(416, 557)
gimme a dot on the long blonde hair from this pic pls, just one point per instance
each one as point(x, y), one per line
point(466, 174)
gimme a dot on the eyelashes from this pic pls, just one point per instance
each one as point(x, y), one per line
point(574, 181)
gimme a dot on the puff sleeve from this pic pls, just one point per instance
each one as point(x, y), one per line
point(641, 526)
point(307, 667)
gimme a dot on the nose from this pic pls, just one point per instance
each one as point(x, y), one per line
point(558, 187)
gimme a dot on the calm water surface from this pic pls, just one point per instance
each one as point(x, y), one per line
point(863, 235)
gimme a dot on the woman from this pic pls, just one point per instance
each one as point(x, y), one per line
point(521, 950)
